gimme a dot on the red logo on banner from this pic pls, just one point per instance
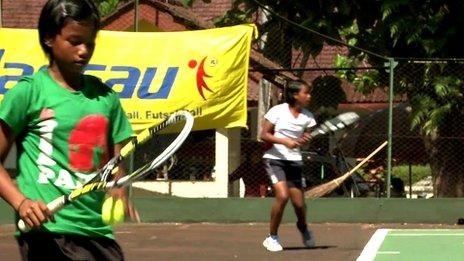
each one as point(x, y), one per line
point(201, 74)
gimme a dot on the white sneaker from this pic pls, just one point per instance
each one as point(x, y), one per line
point(308, 238)
point(272, 243)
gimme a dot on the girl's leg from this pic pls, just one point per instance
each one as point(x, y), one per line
point(299, 206)
point(297, 198)
point(281, 199)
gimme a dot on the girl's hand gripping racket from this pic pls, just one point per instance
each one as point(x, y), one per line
point(148, 151)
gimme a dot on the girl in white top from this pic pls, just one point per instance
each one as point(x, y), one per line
point(286, 127)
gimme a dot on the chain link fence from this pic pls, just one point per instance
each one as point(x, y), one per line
point(423, 165)
point(427, 121)
point(424, 159)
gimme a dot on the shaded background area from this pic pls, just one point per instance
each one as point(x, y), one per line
point(371, 131)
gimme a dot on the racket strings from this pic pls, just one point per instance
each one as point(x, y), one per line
point(140, 162)
point(106, 173)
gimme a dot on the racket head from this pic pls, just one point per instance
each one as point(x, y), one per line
point(157, 148)
point(339, 122)
point(345, 119)
point(153, 143)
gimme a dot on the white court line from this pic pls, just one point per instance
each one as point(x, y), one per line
point(370, 250)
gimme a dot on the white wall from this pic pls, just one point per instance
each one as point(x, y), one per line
point(227, 160)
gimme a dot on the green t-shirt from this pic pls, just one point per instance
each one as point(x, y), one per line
point(63, 137)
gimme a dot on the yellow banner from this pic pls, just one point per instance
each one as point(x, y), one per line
point(155, 74)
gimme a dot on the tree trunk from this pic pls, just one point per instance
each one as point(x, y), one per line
point(446, 153)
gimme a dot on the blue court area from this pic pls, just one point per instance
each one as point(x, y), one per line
point(414, 244)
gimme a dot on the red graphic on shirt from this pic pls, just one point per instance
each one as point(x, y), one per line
point(88, 143)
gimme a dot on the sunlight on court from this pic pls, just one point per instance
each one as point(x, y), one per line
point(414, 244)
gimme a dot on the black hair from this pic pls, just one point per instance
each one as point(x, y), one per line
point(291, 89)
point(55, 12)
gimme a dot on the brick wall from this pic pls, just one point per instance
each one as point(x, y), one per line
point(21, 13)
point(124, 19)
point(25, 14)
point(212, 10)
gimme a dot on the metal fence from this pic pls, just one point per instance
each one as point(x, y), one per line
point(417, 106)
point(423, 164)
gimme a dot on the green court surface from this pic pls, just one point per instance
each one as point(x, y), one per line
point(414, 244)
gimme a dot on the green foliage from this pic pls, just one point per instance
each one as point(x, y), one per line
point(394, 28)
point(106, 7)
point(439, 96)
point(323, 85)
point(406, 28)
point(389, 28)
point(426, 105)
point(279, 36)
point(189, 3)
point(364, 81)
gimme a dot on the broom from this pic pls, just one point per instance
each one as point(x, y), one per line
point(325, 188)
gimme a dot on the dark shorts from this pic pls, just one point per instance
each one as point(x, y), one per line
point(51, 246)
point(285, 170)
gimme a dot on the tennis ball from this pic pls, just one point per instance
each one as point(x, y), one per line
point(118, 212)
point(113, 211)
point(107, 210)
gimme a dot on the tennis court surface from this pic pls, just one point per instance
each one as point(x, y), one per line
point(208, 241)
point(415, 244)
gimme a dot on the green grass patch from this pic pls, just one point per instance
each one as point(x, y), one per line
point(418, 172)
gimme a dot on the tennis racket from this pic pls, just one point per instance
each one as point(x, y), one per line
point(337, 123)
point(148, 151)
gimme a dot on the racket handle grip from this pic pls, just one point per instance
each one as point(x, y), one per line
point(53, 206)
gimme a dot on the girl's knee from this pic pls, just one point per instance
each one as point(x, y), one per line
point(299, 207)
point(283, 199)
